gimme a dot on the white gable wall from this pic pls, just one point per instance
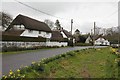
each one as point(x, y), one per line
point(33, 33)
point(88, 40)
point(64, 36)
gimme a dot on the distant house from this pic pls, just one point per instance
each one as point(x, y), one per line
point(61, 37)
point(70, 38)
point(89, 39)
point(77, 31)
point(57, 39)
point(66, 34)
point(30, 27)
point(77, 36)
point(99, 40)
point(102, 41)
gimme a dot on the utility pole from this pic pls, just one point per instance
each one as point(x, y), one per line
point(71, 40)
point(94, 27)
point(71, 25)
point(94, 35)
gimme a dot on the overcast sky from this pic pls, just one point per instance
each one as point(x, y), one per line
point(84, 13)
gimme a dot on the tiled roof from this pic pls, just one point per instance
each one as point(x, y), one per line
point(68, 34)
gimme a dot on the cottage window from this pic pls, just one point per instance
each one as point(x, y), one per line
point(39, 32)
point(47, 33)
point(30, 31)
point(18, 27)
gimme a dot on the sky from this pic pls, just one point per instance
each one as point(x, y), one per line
point(83, 12)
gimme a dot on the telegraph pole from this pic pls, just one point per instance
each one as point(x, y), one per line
point(71, 40)
point(94, 27)
point(94, 35)
point(71, 25)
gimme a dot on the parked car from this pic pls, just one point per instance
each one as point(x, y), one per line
point(115, 45)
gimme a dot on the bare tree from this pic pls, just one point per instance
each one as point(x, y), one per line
point(49, 23)
point(109, 31)
point(97, 31)
point(5, 19)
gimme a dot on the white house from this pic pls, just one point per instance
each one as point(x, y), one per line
point(60, 38)
point(99, 40)
point(26, 32)
point(57, 39)
point(102, 41)
point(31, 27)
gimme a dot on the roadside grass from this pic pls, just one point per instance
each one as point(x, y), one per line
point(18, 52)
point(86, 63)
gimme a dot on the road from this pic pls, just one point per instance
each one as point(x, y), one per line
point(14, 61)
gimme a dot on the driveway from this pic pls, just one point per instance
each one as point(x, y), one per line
point(14, 61)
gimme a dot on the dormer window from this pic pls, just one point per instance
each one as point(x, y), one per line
point(19, 27)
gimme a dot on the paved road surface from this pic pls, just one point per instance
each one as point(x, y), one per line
point(14, 61)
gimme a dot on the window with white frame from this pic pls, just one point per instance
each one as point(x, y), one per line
point(19, 27)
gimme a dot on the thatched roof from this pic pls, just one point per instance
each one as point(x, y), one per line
point(29, 23)
point(22, 38)
point(13, 32)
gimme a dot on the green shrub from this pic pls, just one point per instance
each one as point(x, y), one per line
point(63, 55)
point(71, 54)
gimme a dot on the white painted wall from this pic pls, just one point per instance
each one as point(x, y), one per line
point(56, 44)
point(88, 40)
point(31, 44)
point(35, 33)
point(22, 44)
point(30, 34)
